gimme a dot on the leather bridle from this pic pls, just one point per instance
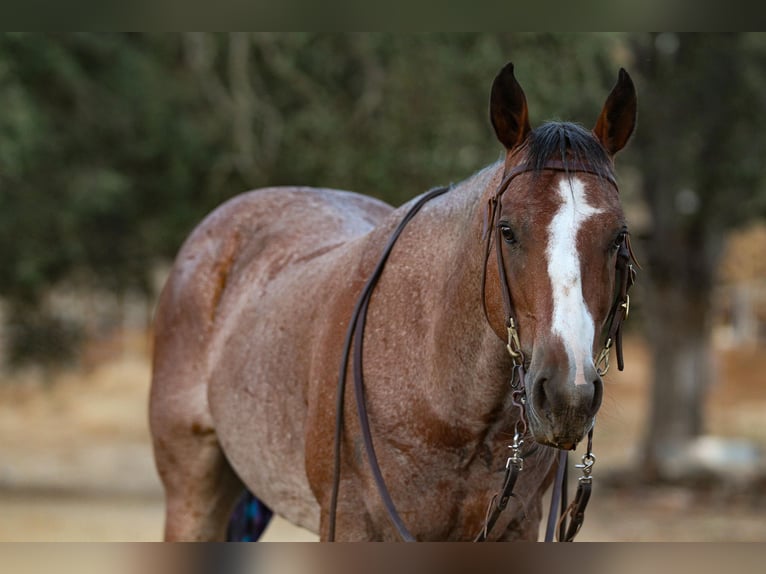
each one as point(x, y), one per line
point(571, 517)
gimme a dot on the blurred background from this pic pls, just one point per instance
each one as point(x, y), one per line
point(113, 146)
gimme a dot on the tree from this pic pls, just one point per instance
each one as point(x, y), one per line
point(699, 146)
point(97, 176)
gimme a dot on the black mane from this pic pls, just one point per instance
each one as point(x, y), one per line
point(569, 143)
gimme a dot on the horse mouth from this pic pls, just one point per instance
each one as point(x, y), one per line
point(564, 434)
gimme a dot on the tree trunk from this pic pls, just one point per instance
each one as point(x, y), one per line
point(699, 146)
point(680, 339)
point(682, 257)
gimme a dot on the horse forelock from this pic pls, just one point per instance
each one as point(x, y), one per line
point(570, 143)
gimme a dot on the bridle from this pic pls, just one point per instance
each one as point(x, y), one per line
point(624, 267)
point(572, 516)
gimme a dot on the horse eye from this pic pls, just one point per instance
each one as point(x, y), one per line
point(619, 239)
point(507, 234)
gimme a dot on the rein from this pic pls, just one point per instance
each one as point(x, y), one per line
point(355, 334)
point(515, 463)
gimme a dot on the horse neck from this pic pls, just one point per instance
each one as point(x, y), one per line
point(468, 357)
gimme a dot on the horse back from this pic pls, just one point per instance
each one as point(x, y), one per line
point(249, 239)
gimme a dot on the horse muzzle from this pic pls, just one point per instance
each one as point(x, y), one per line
point(559, 411)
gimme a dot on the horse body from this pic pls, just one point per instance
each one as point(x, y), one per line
point(269, 354)
point(250, 328)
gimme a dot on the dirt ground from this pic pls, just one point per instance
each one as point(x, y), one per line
point(76, 465)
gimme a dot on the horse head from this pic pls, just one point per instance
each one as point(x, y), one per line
point(556, 225)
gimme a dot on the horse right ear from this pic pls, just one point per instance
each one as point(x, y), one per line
point(508, 109)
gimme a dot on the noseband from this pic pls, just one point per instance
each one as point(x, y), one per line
point(355, 337)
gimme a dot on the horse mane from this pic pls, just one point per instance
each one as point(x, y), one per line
point(571, 144)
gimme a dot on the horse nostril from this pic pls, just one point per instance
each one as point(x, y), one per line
point(540, 398)
point(598, 393)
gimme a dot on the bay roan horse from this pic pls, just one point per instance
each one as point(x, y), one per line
point(251, 324)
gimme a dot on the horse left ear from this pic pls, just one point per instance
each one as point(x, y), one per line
point(618, 118)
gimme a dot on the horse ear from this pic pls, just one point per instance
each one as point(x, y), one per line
point(508, 109)
point(618, 118)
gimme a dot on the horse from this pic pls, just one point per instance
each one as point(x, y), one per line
point(250, 326)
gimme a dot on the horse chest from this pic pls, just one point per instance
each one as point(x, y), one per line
point(442, 496)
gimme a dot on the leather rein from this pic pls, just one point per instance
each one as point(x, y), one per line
point(572, 516)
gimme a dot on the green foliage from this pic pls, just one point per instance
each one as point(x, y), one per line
point(39, 338)
point(89, 149)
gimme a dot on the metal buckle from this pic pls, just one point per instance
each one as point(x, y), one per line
point(588, 460)
point(602, 363)
point(514, 344)
point(626, 305)
point(516, 458)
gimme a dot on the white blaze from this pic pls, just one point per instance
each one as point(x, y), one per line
point(571, 319)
